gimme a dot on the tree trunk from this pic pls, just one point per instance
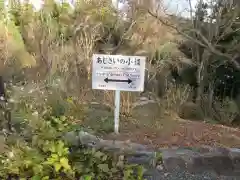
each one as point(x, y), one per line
point(200, 82)
point(2, 88)
point(5, 111)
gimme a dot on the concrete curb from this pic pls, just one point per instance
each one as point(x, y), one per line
point(222, 161)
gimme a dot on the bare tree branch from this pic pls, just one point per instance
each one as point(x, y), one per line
point(114, 51)
point(207, 44)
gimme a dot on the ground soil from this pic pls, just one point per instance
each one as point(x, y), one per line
point(183, 133)
point(147, 127)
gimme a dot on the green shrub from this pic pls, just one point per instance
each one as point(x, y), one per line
point(38, 151)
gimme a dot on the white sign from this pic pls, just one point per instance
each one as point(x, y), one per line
point(117, 72)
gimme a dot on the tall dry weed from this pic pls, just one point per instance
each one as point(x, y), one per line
point(174, 98)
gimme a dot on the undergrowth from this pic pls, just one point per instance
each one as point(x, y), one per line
point(38, 150)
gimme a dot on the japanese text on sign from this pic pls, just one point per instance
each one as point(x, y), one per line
point(115, 61)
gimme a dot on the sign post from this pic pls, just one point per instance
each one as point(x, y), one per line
point(118, 73)
point(117, 110)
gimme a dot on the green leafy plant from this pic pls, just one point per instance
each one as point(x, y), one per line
point(39, 151)
point(133, 172)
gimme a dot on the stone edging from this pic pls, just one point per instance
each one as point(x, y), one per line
point(223, 161)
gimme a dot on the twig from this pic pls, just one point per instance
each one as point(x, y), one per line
point(122, 38)
point(206, 43)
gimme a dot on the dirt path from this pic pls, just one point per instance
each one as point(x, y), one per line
point(184, 133)
point(148, 126)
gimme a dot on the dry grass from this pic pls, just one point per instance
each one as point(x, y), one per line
point(71, 61)
point(127, 100)
point(173, 100)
